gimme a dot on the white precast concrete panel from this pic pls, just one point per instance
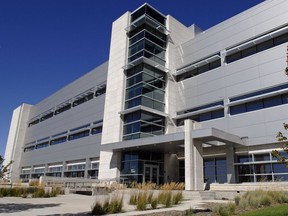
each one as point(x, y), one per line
point(114, 100)
point(15, 142)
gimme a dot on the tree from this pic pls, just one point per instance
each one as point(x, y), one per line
point(4, 169)
point(281, 138)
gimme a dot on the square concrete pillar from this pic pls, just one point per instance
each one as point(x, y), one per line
point(87, 167)
point(231, 174)
point(109, 165)
point(193, 159)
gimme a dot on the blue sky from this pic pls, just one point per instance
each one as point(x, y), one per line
point(44, 45)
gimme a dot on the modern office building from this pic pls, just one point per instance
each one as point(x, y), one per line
point(172, 103)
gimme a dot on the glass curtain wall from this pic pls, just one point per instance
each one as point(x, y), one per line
point(145, 84)
point(260, 168)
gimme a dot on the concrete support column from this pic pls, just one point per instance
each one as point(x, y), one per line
point(87, 167)
point(193, 159)
point(46, 169)
point(109, 165)
point(63, 168)
point(231, 174)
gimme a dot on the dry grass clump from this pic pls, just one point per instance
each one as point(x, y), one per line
point(154, 186)
point(225, 209)
point(109, 206)
point(259, 198)
point(144, 186)
point(145, 199)
point(35, 192)
point(251, 200)
point(172, 186)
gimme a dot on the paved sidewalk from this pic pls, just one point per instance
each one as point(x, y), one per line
point(72, 204)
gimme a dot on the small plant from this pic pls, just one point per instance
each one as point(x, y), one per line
point(97, 209)
point(237, 200)
point(154, 203)
point(177, 198)
point(165, 198)
point(265, 201)
point(34, 184)
point(189, 212)
point(110, 206)
point(150, 196)
point(142, 201)
point(115, 205)
point(39, 193)
point(133, 199)
point(172, 186)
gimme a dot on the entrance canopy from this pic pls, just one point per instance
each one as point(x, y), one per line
point(174, 143)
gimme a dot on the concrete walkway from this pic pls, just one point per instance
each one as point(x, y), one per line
point(73, 204)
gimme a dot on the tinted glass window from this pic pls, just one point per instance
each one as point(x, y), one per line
point(241, 108)
point(249, 51)
point(265, 45)
point(272, 101)
point(233, 57)
point(254, 105)
point(281, 39)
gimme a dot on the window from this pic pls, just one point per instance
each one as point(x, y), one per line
point(42, 145)
point(100, 91)
point(199, 70)
point(47, 116)
point(259, 104)
point(96, 130)
point(215, 170)
point(272, 101)
point(58, 140)
point(265, 45)
point(254, 105)
point(257, 48)
point(31, 148)
point(33, 122)
point(79, 135)
point(260, 167)
point(141, 124)
point(218, 103)
point(83, 99)
point(219, 113)
point(63, 109)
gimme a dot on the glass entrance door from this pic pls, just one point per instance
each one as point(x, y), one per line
point(151, 173)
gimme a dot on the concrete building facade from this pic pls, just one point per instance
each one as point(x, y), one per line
point(172, 103)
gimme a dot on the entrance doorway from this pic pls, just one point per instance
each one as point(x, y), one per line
point(151, 173)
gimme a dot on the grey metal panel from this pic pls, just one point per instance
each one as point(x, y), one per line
point(241, 27)
point(83, 148)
